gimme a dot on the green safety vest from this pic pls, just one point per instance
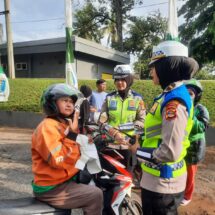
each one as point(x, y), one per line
point(153, 125)
point(122, 111)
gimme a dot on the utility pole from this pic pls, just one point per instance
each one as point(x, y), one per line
point(10, 55)
point(1, 39)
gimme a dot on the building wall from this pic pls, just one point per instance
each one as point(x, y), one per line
point(48, 65)
point(42, 65)
point(46, 58)
point(86, 69)
point(89, 67)
point(105, 68)
point(25, 69)
point(52, 65)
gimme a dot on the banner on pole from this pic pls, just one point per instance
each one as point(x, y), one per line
point(172, 33)
point(71, 77)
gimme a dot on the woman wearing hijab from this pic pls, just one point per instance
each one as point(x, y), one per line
point(123, 109)
point(167, 128)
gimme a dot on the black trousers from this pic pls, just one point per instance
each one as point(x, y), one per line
point(159, 203)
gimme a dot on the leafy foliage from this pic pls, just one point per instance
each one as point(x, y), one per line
point(206, 72)
point(88, 21)
point(143, 34)
point(25, 93)
point(204, 75)
point(109, 16)
point(199, 29)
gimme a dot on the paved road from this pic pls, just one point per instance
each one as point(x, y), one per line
point(15, 164)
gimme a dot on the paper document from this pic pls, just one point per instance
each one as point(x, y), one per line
point(89, 155)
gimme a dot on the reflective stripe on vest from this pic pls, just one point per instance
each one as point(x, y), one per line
point(153, 138)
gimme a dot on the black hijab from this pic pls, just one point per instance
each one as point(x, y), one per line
point(174, 68)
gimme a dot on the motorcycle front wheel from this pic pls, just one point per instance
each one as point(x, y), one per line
point(131, 206)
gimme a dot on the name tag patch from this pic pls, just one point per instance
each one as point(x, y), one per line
point(131, 105)
point(113, 105)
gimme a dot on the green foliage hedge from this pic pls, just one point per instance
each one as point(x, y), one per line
point(25, 93)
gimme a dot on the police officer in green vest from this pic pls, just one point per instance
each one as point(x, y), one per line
point(167, 127)
point(123, 110)
point(196, 150)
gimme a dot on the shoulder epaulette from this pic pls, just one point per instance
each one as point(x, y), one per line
point(136, 94)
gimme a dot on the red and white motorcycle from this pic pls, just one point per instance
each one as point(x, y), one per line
point(114, 180)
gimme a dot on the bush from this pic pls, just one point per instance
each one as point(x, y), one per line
point(25, 93)
point(204, 75)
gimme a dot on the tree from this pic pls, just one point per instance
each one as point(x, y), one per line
point(198, 31)
point(143, 34)
point(118, 15)
point(110, 30)
point(88, 22)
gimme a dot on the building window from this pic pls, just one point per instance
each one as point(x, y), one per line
point(4, 65)
point(21, 66)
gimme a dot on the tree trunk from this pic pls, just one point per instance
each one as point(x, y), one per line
point(117, 5)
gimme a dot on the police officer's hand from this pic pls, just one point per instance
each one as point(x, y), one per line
point(120, 139)
point(134, 147)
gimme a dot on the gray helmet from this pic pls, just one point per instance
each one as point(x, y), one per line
point(54, 92)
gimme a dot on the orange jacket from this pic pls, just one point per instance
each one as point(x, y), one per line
point(53, 154)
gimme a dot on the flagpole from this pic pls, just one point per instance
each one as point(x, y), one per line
point(172, 33)
point(71, 77)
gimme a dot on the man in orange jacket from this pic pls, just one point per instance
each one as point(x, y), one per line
point(55, 153)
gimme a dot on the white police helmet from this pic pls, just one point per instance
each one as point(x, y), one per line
point(167, 49)
point(122, 71)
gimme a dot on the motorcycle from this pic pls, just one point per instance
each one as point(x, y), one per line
point(114, 180)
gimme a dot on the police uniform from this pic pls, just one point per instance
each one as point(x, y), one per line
point(167, 128)
point(121, 111)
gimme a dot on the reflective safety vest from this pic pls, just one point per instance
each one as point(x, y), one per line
point(153, 125)
point(123, 111)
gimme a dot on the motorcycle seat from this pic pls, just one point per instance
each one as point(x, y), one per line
point(29, 206)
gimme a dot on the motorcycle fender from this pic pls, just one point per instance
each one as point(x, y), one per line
point(119, 196)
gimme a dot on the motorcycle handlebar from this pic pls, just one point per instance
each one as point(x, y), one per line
point(118, 146)
point(96, 128)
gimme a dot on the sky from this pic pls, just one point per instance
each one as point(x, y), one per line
point(42, 19)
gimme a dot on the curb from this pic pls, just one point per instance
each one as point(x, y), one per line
point(22, 119)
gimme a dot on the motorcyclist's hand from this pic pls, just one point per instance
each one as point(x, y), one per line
point(73, 124)
point(76, 114)
point(72, 127)
point(79, 103)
